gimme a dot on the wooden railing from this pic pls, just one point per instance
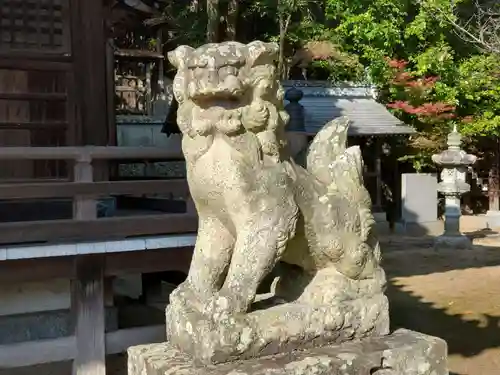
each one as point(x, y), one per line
point(84, 190)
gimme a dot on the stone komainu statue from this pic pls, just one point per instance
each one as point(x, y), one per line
point(257, 208)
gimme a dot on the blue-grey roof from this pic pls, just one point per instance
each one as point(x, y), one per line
point(323, 103)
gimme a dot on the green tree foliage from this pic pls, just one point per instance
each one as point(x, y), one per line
point(290, 14)
point(478, 85)
point(424, 34)
point(368, 35)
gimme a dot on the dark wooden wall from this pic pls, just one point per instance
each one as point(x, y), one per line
point(52, 80)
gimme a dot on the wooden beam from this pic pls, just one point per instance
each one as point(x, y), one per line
point(42, 96)
point(105, 228)
point(37, 352)
point(27, 270)
point(32, 353)
point(95, 152)
point(161, 260)
point(18, 190)
point(33, 60)
point(88, 308)
point(134, 153)
point(7, 125)
point(133, 262)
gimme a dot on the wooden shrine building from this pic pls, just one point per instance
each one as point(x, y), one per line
point(71, 223)
point(67, 224)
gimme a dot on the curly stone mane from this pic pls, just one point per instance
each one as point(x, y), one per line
point(241, 95)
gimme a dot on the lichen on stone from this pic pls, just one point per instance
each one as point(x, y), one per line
point(259, 210)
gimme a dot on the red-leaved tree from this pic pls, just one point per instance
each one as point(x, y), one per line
point(412, 99)
point(413, 95)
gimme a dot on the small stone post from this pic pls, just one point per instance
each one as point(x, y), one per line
point(453, 185)
point(295, 110)
point(295, 131)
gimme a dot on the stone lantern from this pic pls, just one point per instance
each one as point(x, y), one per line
point(455, 163)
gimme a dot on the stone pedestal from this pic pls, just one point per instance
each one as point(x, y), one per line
point(401, 353)
point(419, 202)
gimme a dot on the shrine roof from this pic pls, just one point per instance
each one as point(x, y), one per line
point(323, 102)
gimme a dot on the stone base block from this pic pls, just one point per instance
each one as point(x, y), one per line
point(304, 311)
point(430, 228)
point(493, 219)
point(401, 353)
point(455, 242)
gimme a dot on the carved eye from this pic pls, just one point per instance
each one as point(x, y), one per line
point(197, 62)
point(236, 62)
point(227, 71)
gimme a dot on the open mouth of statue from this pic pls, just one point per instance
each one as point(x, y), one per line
point(226, 102)
point(221, 90)
point(218, 99)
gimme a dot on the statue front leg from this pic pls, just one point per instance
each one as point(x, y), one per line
point(261, 240)
point(211, 256)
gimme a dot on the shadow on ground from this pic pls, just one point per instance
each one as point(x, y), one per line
point(468, 338)
point(421, 259)
point(465, 337)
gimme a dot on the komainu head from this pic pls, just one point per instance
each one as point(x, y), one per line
point(228, 87)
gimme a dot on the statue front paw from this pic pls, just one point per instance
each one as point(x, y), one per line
point(222, 306)
point(185, 295)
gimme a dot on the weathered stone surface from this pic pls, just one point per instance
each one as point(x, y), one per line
point(272, 327)
point(257, 208)
point(401, 353)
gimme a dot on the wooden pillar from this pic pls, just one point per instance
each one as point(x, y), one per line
point(110, 93)
point(88, 308)
point(84, 208)
point(161, 67)
point(89, 56)
point(89, 52)
point(87, 290)
point(378, 172)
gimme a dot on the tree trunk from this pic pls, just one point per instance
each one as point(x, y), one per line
point(281, 57)
point(213, 20)
point(494, 179)
point(232, 19)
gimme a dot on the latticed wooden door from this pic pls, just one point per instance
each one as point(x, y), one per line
point(36, 75)
point(35, 26)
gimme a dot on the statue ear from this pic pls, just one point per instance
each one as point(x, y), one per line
point(178, 55)
point(261, 53)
